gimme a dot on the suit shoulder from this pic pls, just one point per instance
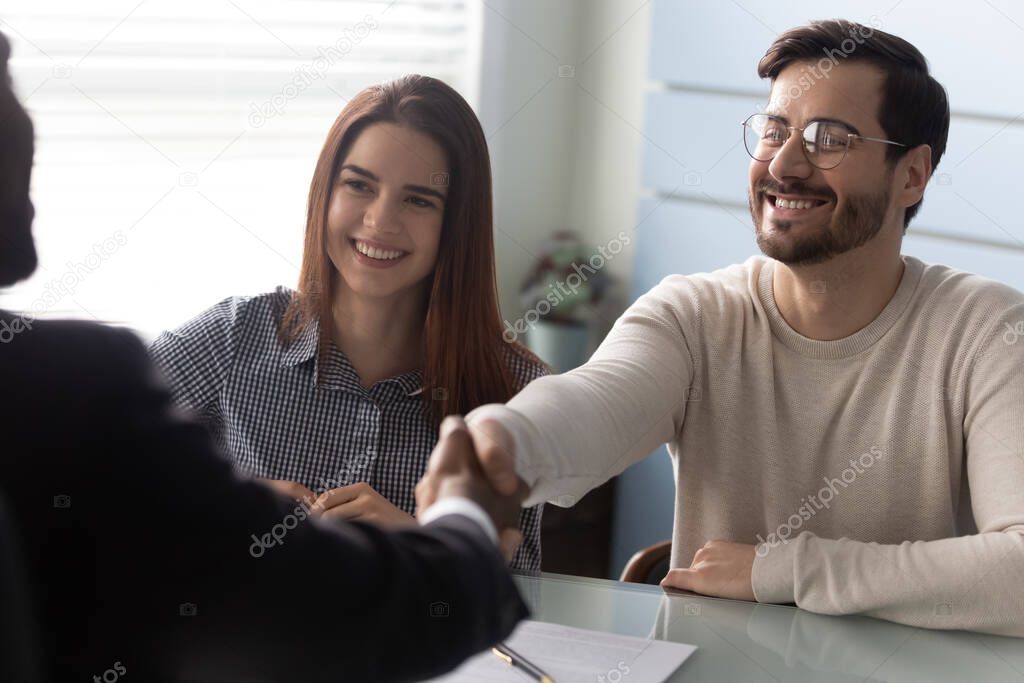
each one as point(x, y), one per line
point(75, 352)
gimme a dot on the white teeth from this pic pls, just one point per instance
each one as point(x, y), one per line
point(375, 253)
point(794, 203)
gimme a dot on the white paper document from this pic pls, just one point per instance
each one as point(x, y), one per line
point(575, 655)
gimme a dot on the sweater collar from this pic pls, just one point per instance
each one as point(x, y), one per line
point(848, 346)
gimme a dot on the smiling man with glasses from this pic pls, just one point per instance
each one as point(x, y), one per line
point(846, 423)
point(825, 142)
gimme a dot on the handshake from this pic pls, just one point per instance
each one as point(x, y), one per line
point(477, 463)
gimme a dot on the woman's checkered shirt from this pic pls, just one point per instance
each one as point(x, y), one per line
point(272, 412)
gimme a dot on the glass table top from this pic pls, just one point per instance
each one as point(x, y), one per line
point(744, 641)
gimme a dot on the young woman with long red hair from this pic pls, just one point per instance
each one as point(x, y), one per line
point(334, 391)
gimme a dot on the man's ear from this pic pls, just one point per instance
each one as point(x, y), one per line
point(5, 54)
point(5, 76)
point(917, 171)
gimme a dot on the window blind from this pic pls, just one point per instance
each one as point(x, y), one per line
point(175, 141)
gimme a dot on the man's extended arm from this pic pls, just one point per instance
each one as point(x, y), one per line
point(570, 433)
point(166, 562)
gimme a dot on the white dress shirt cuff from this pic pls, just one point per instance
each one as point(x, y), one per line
point(464, 507)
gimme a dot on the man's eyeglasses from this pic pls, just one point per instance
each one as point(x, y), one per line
point(825, 143)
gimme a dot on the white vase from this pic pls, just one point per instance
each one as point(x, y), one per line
point(563, 346)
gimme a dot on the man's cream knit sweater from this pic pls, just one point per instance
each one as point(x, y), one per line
point(882, 473)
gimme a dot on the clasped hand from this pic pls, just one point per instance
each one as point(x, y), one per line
point(461, 465)
point(355, 501)
point(457, 468)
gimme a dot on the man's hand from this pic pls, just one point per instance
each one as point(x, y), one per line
point(360, 501)
point(456, 468)
point(290, 489)
point(493, 448)
point(719, 568)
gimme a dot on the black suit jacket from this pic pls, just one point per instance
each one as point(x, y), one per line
point(141, 543)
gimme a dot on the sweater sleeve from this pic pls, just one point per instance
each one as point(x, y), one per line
point(575, 431)
point(968, 582)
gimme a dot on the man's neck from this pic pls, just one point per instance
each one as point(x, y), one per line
point(381, 338)
point(835, 299)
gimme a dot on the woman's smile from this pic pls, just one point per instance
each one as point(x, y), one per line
point(375, 255)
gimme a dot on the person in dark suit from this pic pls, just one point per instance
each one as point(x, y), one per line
point(146, 558)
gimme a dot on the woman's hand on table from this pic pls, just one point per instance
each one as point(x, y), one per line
point(290, 489)
point(360, 501)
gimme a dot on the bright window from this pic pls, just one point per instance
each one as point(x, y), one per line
point(176, 140)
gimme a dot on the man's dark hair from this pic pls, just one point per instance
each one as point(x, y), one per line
point(914, 108)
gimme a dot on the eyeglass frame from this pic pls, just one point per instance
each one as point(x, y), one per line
point(804, 141)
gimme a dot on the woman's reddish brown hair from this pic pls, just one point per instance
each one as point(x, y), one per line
point(465, 361)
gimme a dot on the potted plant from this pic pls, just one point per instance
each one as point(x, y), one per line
point(560, 296)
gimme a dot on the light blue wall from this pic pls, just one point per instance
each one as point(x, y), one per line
point(703, 83)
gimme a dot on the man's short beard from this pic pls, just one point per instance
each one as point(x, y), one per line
point(17, 249)
point(860, 220)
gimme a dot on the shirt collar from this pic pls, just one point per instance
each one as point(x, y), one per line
point(302, 347)
point(411, 383)
point(338, 372)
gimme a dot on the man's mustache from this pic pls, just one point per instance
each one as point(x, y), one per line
point(803, 189)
